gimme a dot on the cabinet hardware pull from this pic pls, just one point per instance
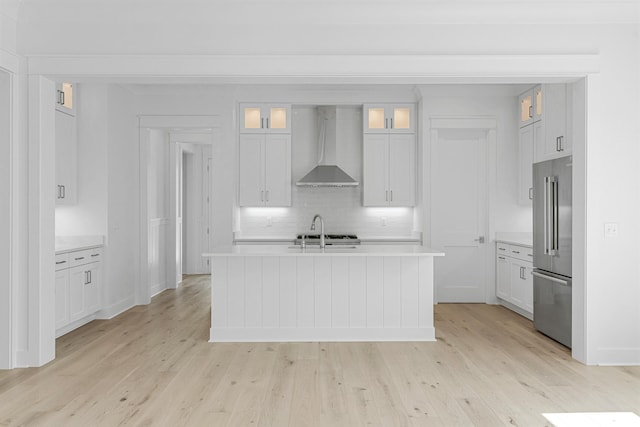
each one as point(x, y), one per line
point(501, 257)
point(531, 255)
point(386, 195)
point(262, 195)
point(86, 277)
point(516, 252)
point(93, 255)
point(501, 249)
point(391, 122)
point(267, 195)
point(261, 123)
point(530, 193)
point(530, 111)
point(561, 138)
point(391, 195)
point(79, 258)
point(60, 262)
point(64, 192)
point(90, 278)
point(267, 122)
point(386, 123)
point(522, 273)
point(61, 97)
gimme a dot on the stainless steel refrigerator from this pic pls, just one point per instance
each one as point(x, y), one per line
point(552, 205)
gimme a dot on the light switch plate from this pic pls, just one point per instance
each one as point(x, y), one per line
point(610, 229)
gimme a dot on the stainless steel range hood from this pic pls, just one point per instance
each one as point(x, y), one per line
point(327, 173)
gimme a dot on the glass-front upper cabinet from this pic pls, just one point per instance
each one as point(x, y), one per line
point(265, 118)
point(389, 118)
point(65, 98)
point(530, 106)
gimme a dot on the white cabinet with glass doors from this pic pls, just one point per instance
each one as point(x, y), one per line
point(65, 98)
point(389, 118)
point(265, 118)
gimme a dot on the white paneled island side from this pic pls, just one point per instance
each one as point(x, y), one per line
point(267, 293)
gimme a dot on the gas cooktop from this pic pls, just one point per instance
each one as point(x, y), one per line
point(329, 239)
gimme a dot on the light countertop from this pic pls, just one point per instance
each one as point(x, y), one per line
point(76, 243)
point(334, 250)
point(522, 239)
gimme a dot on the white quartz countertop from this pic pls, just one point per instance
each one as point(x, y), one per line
point(334, 250)
point(76, 243)
point(522, 239)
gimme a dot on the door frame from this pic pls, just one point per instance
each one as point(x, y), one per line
point(487, 124)
point(203, 124)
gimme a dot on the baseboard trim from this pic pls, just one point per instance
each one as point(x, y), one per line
point(117, 308)
point(158, 288)
point(618, 357)
point(75, 325)
point(320, 334)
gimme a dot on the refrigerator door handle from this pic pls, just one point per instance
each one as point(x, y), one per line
point(550, 215)
point(545, 209)
point(550, 278)
point(553, 183)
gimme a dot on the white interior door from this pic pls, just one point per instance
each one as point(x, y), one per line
point(458, 213)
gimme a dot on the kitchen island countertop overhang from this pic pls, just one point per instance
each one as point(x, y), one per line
point(262, 293)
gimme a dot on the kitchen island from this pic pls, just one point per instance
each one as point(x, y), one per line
point(339, 293)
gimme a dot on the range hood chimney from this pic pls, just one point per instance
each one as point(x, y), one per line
point(327, 173)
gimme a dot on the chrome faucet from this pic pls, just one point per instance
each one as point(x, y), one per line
point(313, 227)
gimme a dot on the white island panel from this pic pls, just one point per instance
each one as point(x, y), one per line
point(322, 297)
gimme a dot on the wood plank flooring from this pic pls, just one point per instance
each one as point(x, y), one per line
point(152, 365)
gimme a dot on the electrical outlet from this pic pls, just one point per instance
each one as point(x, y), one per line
point(383, 221)
point(610, 229)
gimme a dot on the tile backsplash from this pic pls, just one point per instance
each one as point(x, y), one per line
point(341, 209)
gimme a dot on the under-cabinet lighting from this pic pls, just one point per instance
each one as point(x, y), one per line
point(388, 211)
point(265, 211)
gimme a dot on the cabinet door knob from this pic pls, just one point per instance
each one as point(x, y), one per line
point(530, 111)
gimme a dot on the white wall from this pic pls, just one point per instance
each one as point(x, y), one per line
point(123, 202)
point(477, 41)
point(6, 335)
point(158, 208)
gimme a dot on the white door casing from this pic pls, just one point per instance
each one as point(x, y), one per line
point(459, 206)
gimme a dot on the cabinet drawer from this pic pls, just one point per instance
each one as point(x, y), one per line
point(520, 252)
point(502, 249)
point(85, 257)
point(62, 261)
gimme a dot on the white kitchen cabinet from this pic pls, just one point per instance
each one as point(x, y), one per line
point(521, 281)
point(503, 281)
point(389, 118)
point(265, 170)
point(525, 162)
point(66, 159)
point(62, 298)
point(389, 171)
point(65, 98)
point(514, 278)
point(531, 106)
point(556, 140)
point(78, 288)
point(265, 118)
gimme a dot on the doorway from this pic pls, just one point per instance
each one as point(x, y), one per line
point(459, 209)
point(193, 197)
point(167, 143)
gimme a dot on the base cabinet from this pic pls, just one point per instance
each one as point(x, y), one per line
point(514, 278)
point(78, 287)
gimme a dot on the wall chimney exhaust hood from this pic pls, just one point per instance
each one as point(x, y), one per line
point(327, 173)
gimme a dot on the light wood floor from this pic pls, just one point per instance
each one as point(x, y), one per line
point(153, 366)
